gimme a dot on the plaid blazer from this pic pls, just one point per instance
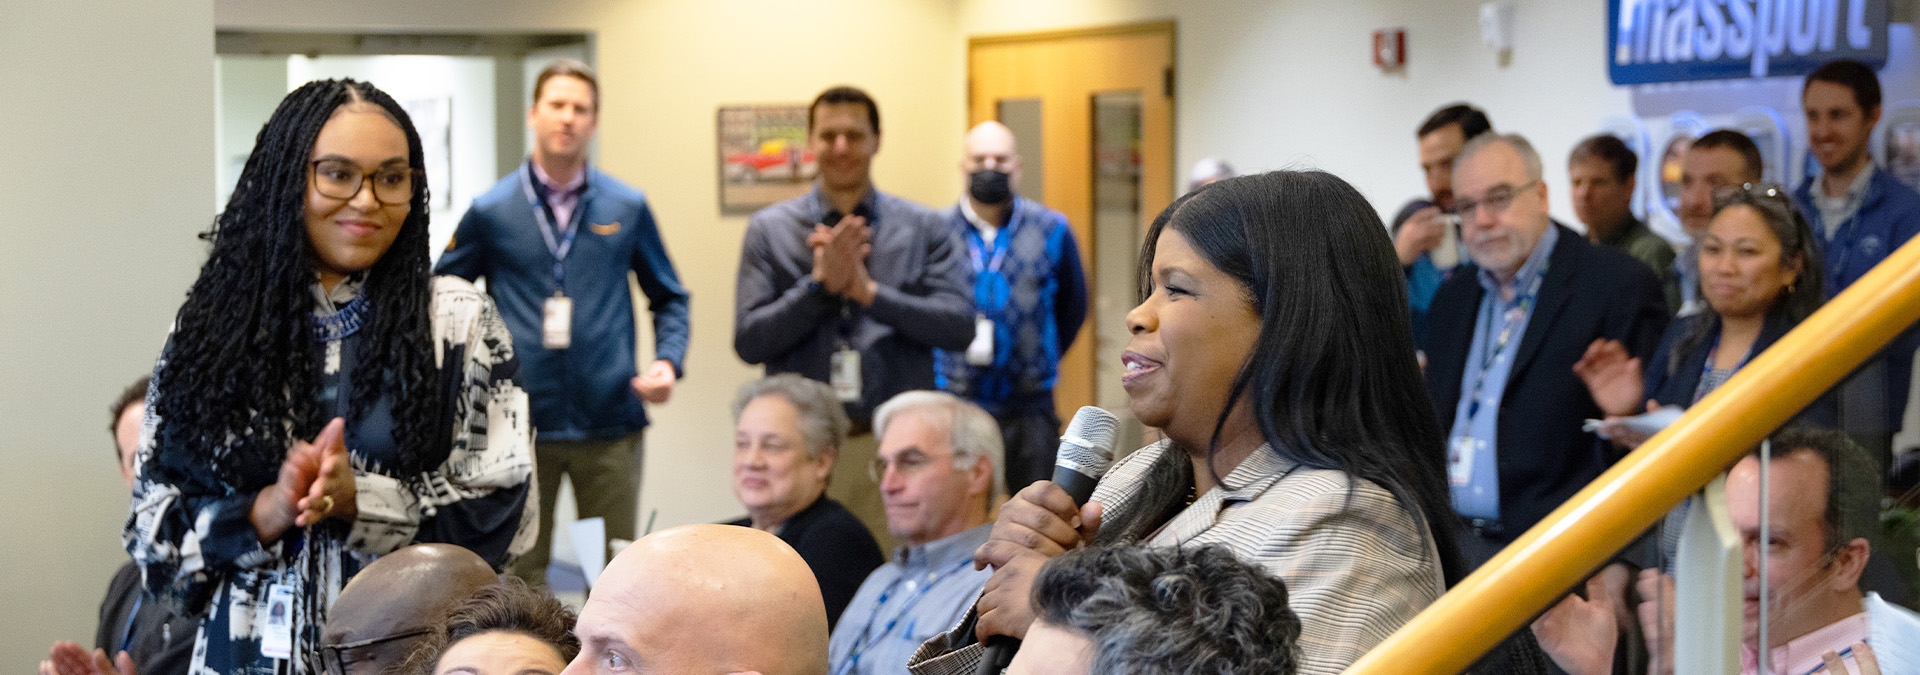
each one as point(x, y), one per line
point(1355, 564)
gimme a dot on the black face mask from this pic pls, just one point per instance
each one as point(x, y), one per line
point(990, 186)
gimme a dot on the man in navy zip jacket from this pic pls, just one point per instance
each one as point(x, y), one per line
point(555, 240)
point(1859, 214)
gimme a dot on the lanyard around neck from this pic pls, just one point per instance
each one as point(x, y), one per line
point(557, 244)
point(867, 639)
point(1521, 310)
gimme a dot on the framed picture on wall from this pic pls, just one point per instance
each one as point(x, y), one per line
point(763, 155)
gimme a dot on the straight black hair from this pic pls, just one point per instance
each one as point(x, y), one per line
point(1332, 378)
point(1473, 121)
point(1851, 74)
point(1739, 143)
point(843, 95)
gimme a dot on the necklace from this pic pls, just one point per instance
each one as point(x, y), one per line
point(342, 323)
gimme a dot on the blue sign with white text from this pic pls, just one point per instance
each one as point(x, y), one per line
point(1686, 40)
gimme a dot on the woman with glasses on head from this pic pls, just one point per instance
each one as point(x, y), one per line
point(787, 432)
point(1760, 276)
point(322, 400)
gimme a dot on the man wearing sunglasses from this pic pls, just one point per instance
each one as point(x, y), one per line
point(938, 473)
point(1505, 333)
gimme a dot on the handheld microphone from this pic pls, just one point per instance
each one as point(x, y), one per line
point(1086, 450)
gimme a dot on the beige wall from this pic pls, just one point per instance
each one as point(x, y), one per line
point(1285, 84)
point(665, 68)
point(108, 137)
point(102, 225)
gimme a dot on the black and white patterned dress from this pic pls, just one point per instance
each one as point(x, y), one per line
point(192, 535)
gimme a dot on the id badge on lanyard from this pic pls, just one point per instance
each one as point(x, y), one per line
point(980, 351)
point(276, 632)
point(844, 375)
point(556, 328)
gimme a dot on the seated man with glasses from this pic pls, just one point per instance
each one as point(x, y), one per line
point(391, 606)
point(938, 469)
point(1503, 338)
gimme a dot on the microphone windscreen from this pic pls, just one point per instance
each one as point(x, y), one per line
point(1087, 446)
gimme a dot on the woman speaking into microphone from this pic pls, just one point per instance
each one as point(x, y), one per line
point(1273, 349)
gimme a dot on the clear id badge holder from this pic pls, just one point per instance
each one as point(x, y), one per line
point(556, 328)
point(844, 375)
point(980, 351)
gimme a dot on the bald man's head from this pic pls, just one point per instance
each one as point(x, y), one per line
point(704, 600)
point(990, 148)
point(388, 606)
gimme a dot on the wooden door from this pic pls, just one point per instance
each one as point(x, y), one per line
point(1093, 113)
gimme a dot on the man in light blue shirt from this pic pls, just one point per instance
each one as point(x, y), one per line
point(938, 470)
point(1506, 332)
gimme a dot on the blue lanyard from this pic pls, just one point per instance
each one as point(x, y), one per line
point(867, 640)
point(1522, 308)
point(557, 245)
point(126, 633)
point(978, 249)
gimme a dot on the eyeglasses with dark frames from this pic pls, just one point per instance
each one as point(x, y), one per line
point(334, 659)
point(343, 180)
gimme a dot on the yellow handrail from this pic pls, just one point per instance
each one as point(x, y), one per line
point(1583, 533)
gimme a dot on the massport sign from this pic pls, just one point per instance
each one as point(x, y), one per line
point(1684, 40)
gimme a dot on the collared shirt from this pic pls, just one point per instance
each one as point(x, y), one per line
point(987, 230)
point(1687, 268)
point(1476, 421)
point(924, 591)
point(562, 197)
point(1834, 211)
point(785, 320)
point(1801, 655)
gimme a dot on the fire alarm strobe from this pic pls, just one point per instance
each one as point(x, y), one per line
point(1390, 48)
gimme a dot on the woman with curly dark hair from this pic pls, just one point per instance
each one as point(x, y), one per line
point(322, 400)
point(504, 629)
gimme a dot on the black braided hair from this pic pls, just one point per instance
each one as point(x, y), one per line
point(243, 341)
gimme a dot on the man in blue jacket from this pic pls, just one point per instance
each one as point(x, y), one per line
point(555, 240)
point(1859, 214)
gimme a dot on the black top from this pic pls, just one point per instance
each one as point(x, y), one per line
point(161, 642)
point(1671, 377)
point(838, 548)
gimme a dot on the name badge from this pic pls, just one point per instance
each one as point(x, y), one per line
point(980, 352)
point(1461, 451)
point(276, 633)
point(845, 375)
point(556, 330)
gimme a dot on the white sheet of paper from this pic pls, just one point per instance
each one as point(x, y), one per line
point(590, 544)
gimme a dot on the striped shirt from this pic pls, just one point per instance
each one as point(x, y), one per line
point(1355, 564)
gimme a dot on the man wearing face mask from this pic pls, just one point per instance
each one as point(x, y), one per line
point(1029, 296)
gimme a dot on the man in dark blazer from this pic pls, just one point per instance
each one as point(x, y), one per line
point(1504, 335)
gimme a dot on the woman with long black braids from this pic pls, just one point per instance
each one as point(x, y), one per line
point(322, 399)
